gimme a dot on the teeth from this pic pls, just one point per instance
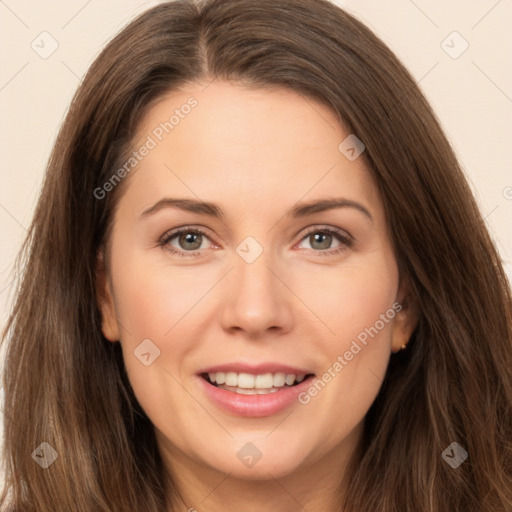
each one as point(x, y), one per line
point(247, 381)
point(242, 391)
point(263, 381)
point(231, 379)
point(279, 380)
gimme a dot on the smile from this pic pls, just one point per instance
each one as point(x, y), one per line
point(248, 384)
point(250, 390)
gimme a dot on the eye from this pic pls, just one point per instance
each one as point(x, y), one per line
point(321, 239)
point(187, 241)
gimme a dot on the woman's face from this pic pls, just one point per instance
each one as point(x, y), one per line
point(222, 267)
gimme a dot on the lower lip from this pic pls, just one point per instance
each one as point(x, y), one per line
point(254, 406)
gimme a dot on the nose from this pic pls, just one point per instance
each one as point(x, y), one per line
point(256, 298)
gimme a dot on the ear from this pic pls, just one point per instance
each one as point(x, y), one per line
point(406, 318)
point(105, 298)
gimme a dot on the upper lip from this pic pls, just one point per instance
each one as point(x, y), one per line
point(255, 368)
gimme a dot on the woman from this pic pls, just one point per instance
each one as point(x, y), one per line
point(337, 337)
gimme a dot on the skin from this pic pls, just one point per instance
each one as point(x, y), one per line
point(255, 153)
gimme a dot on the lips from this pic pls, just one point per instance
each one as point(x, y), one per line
point(255, 368)
point(254, 390)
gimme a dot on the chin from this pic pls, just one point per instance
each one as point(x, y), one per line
point(259, 459)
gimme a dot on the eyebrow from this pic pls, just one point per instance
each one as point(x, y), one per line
point(299, 210)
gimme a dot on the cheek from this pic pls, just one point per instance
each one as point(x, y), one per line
point(169, 307)
point(357, 306)
point(351, 299)
point(154, 311)
point(153, 299)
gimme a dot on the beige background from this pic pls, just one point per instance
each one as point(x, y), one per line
point(472, 94)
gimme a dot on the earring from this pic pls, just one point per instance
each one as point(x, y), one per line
point(403, 347)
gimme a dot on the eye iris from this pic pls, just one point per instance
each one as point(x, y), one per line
point(186, 238)
point(323, 238)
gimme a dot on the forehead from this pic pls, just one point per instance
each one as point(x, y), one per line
point(229, 142)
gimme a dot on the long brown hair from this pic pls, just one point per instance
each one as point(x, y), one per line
point(66, 385)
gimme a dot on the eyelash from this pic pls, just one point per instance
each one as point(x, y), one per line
point(345, 240)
